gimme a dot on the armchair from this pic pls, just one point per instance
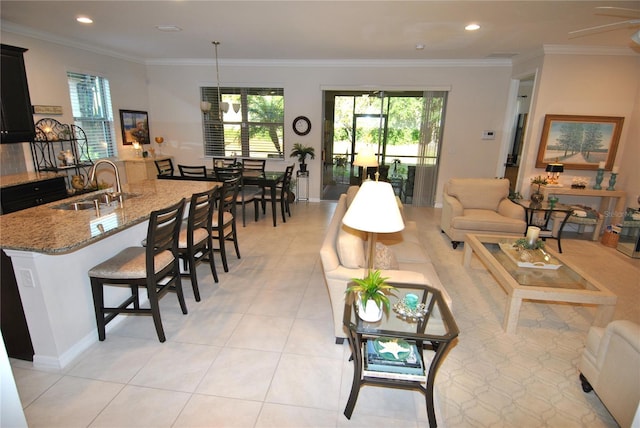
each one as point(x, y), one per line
point(610, 365)
point(479, 205)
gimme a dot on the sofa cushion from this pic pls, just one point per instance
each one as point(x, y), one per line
point(350, 245)
point(486, 221)
point(385, 259)
point(479, 193)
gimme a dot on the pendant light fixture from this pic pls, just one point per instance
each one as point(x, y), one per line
point(224, 106)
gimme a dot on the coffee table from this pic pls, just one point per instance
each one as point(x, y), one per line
point(566, 284)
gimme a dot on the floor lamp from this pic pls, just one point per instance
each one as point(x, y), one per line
point(365, 158)
point(374, 210)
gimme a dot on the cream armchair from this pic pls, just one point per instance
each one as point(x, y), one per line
point(479, 205)
point(610, 365)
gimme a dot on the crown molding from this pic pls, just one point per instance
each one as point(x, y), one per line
point(335, 63)
point(588, 50)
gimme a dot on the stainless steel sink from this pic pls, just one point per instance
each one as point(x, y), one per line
point(89, 203)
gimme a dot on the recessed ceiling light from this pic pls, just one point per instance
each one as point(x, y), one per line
point(472, 27)
point(419, 46)
point(84, 20)
point(168, 28)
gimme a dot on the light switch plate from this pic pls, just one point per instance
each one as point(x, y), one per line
point(488, 135)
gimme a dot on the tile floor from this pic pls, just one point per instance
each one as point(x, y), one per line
point(258, 350)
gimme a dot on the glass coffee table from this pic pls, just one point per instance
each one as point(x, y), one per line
point(545, 282)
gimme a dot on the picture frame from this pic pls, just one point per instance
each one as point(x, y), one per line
point(579, 142)
point(135, 127)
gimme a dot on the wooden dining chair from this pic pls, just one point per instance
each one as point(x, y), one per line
point(155, 267)
point(246, 194)
point(192, 171)
point(282, 195)
point(223, 227)
point(164, 167)
point(195, 244)
point(254, 164)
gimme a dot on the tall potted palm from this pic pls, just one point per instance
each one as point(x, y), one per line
point(301, 152)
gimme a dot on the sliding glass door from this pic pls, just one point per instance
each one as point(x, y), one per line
point(403, 129)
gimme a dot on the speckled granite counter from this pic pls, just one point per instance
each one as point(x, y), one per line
point(25, 177)
point(48, 230)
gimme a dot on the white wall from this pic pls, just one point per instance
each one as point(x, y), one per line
point(476, 103)
point(593, 85)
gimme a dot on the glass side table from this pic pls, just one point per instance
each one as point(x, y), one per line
point(539, 214)
point(434, 332)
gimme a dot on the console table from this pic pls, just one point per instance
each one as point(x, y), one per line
point(619, 196)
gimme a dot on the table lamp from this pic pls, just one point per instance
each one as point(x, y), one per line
point(553, 173)
point(374, 210)
point(365, 158)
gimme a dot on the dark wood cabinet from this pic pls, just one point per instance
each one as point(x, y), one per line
point(27, 195)
point(16, 124)
point(13, 322)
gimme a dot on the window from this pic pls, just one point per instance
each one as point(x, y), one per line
point(250, 124)
point(91, 106)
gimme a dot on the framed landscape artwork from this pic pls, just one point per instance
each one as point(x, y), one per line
point(135, 127)
point(579, 142)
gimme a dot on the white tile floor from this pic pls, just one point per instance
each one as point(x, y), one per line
point(258, 351)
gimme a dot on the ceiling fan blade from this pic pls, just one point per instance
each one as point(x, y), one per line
point(617, 11)
point(605, 27)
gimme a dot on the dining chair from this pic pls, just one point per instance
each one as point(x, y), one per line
point(192, 171)
point(195, 244)
point(165, 167)
point(223, 225)
point(223, 162)
point(254, 164)
point(246, 194)
point(155, 267)
point(282, 195)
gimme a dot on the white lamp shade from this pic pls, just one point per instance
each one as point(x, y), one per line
point(205, 106)
point(365, 157)
point(224, 106)
point(374, 209)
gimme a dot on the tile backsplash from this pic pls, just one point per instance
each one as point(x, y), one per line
point(12, 159)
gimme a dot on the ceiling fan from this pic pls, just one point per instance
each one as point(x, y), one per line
point(634, 21)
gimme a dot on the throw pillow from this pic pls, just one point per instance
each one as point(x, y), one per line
point(350, 247)
point(385, 259)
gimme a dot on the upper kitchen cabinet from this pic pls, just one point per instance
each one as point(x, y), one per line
point(17, 116)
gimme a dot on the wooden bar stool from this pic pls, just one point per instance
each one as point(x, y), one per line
point(195, 243)
point(155, 267)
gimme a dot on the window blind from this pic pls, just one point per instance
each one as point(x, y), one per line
point(91, 107)
point(251, 123)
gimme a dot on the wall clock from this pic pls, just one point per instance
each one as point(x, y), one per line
point(301, 125)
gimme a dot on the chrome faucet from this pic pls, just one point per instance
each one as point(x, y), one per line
point(92, 175)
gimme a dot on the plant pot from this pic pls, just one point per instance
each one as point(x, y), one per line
point(371, 312)
point(303, 167)
point(537, 197)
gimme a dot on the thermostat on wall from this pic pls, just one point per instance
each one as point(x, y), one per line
point(488, 135)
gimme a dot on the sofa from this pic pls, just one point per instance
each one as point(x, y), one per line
point(479, 205)
point(610, 365)
point(400, 257)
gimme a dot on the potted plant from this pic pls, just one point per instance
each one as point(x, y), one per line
point(371, 292)
point(301, 152)
point(537, 196)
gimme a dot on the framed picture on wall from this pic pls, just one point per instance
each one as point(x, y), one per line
point(579, 142)
point(135, 127)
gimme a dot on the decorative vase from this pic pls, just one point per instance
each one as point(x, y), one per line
point(537, 197)
point(78, 182)
point(371, 312)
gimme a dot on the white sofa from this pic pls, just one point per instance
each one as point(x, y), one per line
point(343, 258)
point(610, 365)
point(479, 205)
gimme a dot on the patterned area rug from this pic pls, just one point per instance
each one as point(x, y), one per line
point(528, 379)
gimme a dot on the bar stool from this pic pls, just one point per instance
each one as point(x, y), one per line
point(195, 244)
point(223, 227)
point(155, 267)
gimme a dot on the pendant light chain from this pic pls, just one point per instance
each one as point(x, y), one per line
point(216, 43)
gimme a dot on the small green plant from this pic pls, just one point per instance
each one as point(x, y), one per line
point(540, 181)
point(372, 287)
point(301, 152)
point(525, 245)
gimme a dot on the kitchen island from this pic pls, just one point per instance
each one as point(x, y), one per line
point(52, 250)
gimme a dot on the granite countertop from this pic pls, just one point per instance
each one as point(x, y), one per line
point(44, 229)
point(26, 177)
